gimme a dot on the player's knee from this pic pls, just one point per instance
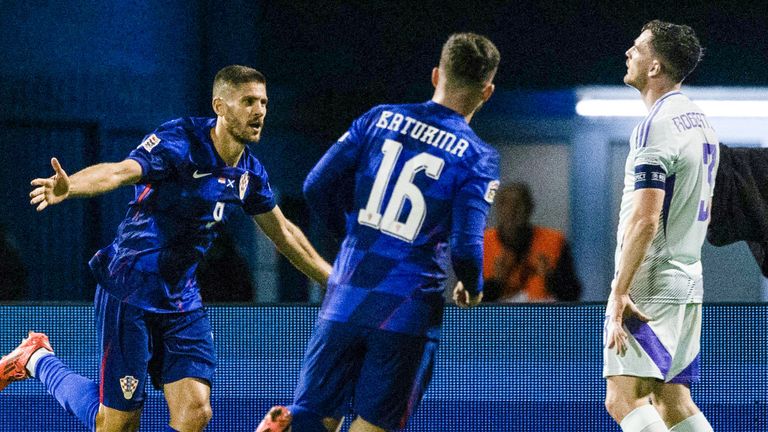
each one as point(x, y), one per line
point(675, 411)
point(194, 415)
point(615, 405)
point(204, 414)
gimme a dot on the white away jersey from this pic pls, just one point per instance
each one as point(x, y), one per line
point(675, 149)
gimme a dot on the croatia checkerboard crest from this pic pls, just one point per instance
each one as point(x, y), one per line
point(490, 191)
point(243, 185)
point(128, 384)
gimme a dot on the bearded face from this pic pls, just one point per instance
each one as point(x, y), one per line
point(245, 107)
point(639, 61)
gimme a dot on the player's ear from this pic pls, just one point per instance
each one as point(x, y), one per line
point(488, 91)
point(655, 69)
point(435, 76)
point(218, 106)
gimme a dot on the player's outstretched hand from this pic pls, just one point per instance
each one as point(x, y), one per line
point(463, 299)
point(51, 190)
point(619, 309)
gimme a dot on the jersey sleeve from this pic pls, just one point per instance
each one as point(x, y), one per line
point(159, 154)
point(654, 158)
point(470, 211)
point(260, 198)
point(329, 187)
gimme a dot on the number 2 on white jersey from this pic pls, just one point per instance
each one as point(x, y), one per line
point(389, 223)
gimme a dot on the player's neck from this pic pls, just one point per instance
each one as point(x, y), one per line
point(457, 102)
point(229, 149)
point(652, 93)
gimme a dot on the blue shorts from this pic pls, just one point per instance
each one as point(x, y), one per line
point(380, 375)
point(135, 342)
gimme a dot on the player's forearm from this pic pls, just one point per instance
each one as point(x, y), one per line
point(98, 179)
point(467, 262)
point(638, 238)
point(295, 246)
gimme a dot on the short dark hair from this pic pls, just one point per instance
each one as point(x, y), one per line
point(521, 190)
point(469, 59)
point(677, 45)
point(236, 75)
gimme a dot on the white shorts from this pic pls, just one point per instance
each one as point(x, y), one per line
point(666, 348)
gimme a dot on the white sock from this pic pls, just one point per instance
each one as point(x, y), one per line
point(34, 358)
point(694, 423)
point(643, 419)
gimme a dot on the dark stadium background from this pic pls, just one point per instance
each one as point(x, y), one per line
point(86, 80)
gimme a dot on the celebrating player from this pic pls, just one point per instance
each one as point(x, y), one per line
point(402, 184)
point(190, 174)
point(653, 318)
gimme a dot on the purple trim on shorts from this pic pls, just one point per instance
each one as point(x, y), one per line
point(650, 343)
point(688, 375)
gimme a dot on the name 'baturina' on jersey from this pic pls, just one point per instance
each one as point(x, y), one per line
point(407, 181)
point(186, 189)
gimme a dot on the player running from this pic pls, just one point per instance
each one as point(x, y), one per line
point(409, 186)
point(190, 174)
point(653, 318)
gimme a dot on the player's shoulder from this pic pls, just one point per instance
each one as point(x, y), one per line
point(670, 105)
point(481, 156)
point(657, 124)
point(177, 135)
point(375, 111)
point(253, 164)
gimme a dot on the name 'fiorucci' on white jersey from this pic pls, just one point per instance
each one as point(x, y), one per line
point(675, 149)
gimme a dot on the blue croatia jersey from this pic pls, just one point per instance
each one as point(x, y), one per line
point(409, 187)
point(185, 190)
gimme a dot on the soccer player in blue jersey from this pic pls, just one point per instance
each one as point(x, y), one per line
point(191, 174)
point(409, 188)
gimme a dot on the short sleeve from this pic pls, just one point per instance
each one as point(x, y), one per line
point(655, 157)
point(259, 198)
point(159, 154)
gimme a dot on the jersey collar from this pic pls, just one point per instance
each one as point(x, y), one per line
point(204, 134)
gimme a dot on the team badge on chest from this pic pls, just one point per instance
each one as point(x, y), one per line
point(243, 185)
point(128, 385)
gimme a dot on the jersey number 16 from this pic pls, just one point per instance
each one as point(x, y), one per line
point(389, 223)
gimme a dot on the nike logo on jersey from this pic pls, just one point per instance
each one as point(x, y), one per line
point(199, 174)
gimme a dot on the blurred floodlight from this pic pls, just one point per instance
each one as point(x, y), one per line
point(636, 108)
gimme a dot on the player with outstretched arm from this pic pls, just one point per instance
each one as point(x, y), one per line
point(190, 175)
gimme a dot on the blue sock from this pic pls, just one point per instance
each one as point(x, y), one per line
point(169, 429)
point(77, 394)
